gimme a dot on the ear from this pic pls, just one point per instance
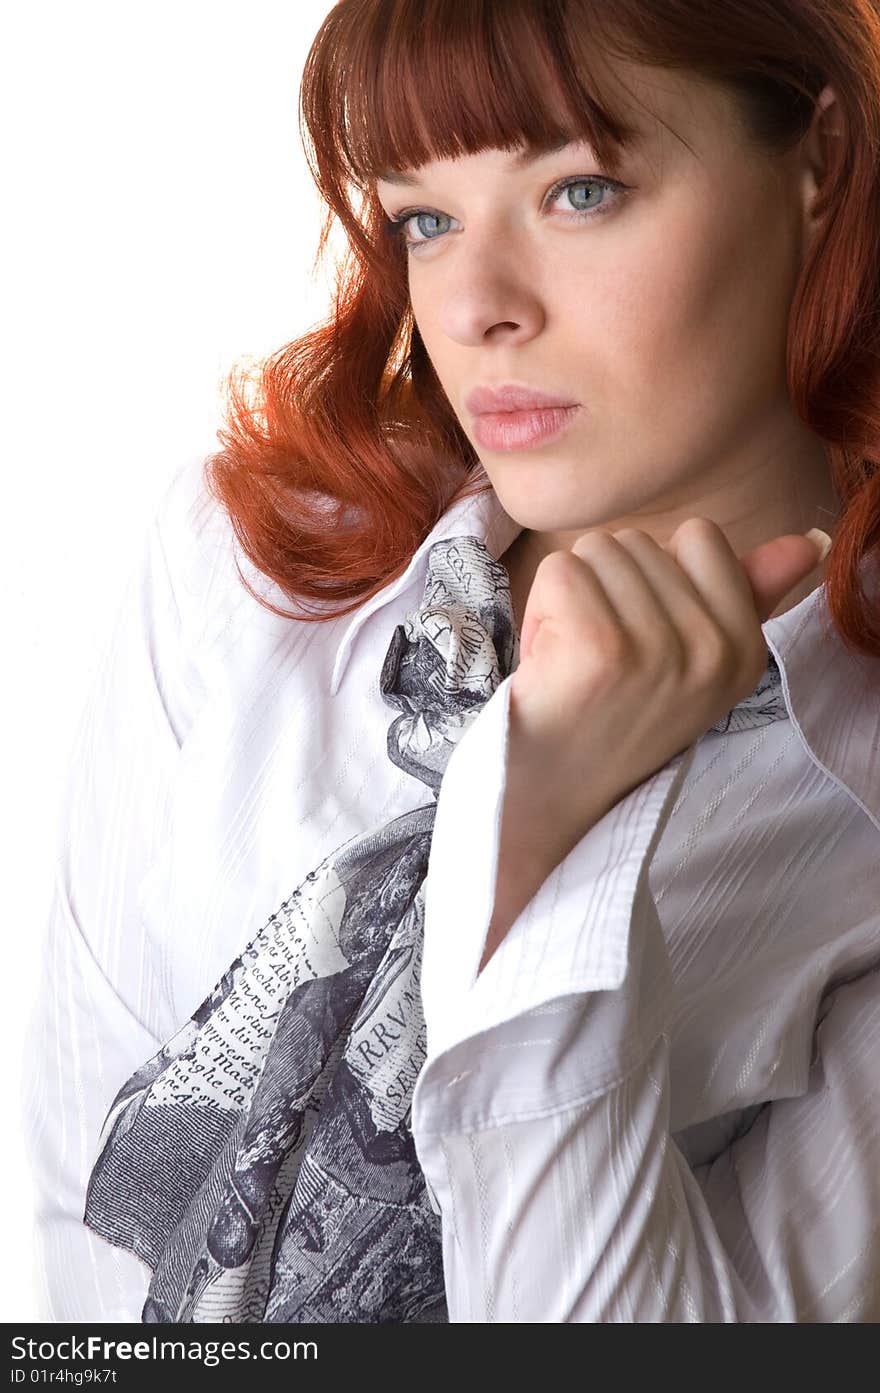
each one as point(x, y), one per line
point(821, 150)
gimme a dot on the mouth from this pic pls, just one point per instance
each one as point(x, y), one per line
point(523, 429)
point(511, 396)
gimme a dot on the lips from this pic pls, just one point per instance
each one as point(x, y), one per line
point(511, 397)
point(522, 430)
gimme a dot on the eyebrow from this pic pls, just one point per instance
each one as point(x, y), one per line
point(527, 156)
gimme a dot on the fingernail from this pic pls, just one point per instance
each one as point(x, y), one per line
point(821, 539)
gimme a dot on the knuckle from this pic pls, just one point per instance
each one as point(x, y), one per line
point(637, 537)
point(597, 539)
point(699, 528)
point(606, 657)
point(554, 580)
point(612, 645)
point(714, 656)
point(558, 566)
point(671, 659)
point(754, 663)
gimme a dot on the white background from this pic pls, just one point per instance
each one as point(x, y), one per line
point(160, 222)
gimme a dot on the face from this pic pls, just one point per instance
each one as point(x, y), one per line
point(657, 304)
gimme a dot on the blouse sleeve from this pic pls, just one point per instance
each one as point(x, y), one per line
point(98, 1011)
point(541, 1114)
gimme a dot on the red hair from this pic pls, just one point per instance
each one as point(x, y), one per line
point(342, 451)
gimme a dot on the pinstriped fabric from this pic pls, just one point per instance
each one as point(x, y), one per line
point(658, 1100)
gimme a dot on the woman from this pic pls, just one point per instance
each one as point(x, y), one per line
point(564, 1005)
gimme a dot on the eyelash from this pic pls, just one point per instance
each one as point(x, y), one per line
point(395, 226)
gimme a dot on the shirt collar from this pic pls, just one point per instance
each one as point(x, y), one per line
point(832, 694)
point(480, 515)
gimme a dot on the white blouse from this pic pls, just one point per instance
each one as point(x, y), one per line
point(659, 1101)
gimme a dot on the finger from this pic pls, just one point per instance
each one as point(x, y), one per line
point(775, 568)
point(702, 550)
point(681, 599)
point(640, 603)
point(564, 593)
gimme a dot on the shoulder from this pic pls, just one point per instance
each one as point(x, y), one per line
point(203, 562)
point(195, 541)
point(226, 635)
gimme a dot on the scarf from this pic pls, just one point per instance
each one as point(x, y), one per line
point(262, 1162)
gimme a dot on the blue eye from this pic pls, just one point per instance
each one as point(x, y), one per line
point(595, 183)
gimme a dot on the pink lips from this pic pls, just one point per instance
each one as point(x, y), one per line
point(510, 396)
point(520, 430)
point(511, 417)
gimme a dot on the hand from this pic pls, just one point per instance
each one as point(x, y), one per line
point(630, 651)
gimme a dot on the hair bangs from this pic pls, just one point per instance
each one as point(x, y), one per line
point(419, 80)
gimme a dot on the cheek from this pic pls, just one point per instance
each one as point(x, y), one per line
point(428, 315)
point(699, 310)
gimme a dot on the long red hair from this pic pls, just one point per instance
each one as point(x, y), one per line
point(341, 450)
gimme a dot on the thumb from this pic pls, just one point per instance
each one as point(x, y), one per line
point(776, 567)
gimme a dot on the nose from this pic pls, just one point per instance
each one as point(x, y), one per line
point(489, 291)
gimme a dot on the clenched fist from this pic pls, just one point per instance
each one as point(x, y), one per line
point(630, 651)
